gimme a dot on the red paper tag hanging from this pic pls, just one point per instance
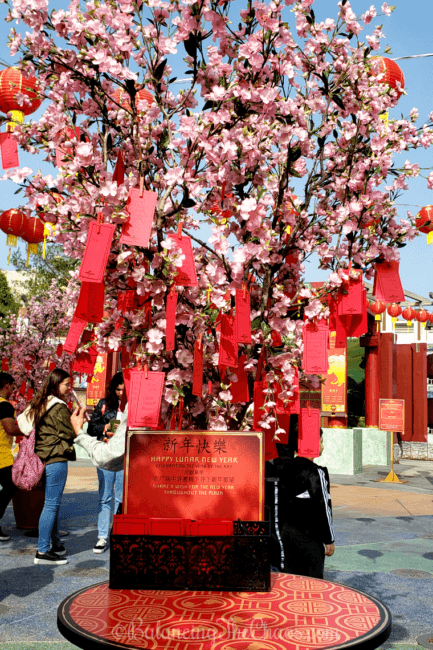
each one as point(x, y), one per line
point(197, 371)
point(144, 390)
point(5, 364)
point(170, 320)
point(243, 316)
point(229, 349)
point(270, 444)
point(309, 433)
point(30, 393)
point(126, 301)
point(125, 357)
point(23, 388)
point(315, 357)
point(239, 389)
point(356, 326)
point(283, 423)
point(97, 250)
point(9, 151)
point(350, 297)
point(337, 331)
point(119, 170)
point(388, 285)
point(84, 362)
point(75, 330)
point(259, 402)
point(52, 366)
point(141, 209)
point(90, 304)
point(186, 276)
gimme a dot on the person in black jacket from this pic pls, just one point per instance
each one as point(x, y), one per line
point(306, 510)
point(106, 410)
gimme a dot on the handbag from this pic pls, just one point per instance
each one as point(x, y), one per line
point(28, 468)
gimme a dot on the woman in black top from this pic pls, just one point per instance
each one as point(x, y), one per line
point(306, 510)
point(106, 410)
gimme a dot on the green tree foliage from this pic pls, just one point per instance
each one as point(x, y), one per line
point(8, 303)
point(41, 272)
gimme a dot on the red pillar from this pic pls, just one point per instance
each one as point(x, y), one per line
point(419, 364)
point(371, 344)
point(386, 365)
point(404, 374)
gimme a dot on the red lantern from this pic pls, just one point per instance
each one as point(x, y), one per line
point(421, 316)
point(378, 307)
point(394, 310)
point(120, 96)
point(424, 222)
point(408, 314)
point(392, 74)
point(430, 317)
point(33, 234)
point(12, 223)
point(12, 82)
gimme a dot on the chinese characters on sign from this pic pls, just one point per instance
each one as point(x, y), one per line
point(391, 415)
point(97, 388)
point(194, 475)
point(334, 390)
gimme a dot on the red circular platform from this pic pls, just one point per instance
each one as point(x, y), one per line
point(297, 614)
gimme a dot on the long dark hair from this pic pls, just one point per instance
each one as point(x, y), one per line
point(49, 387)
point(111, 399)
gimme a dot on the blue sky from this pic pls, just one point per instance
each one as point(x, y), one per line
point(408, 32)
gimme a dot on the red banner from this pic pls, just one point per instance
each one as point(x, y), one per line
point(194, 475)
point(334, 390)
point(391, 415)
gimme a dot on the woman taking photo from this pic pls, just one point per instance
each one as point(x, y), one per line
point(49, 415)
point(107, 409)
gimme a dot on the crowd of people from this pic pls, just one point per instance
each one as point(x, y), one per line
point(306, 534)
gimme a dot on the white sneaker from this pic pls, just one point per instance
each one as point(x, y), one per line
point(100, 546)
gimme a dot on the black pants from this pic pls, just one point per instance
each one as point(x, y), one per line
point(8, 488)
point(304, 556)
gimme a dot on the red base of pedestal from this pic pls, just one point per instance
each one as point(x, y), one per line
point(298, 613)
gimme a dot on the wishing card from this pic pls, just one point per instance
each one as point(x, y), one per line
point(239, 389)
point(119, 170)
point(315, 356)
point(259, 402)
point(186, 276)
point(309, 433)
point(75, 330)
point(90, 304)
point(141, 206)
point(126, 301)
point(388, 285)
point(96, 253)
point(229, 349)
point(197, 370)
point(243, 316)
point(337, 325)
point(170, 320)
point(350, 297)
point(357, 325)
point(144, 391)
point(9, 151)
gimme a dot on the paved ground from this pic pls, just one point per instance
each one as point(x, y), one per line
point(384, 547)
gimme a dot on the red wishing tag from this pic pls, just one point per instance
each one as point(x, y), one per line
point(315, 357)
point(5, 365)
point(239, 389)
point(270, 445)
point(90, 304)
point(51, 366)
point(97, 250)
point(187, 276)
point(170, 320)
point(337, 331)
point(243, 316)
point(197, 371)
point(126, 301)
point(350, 297)
point(75, 330)
point(22, 390)
point(309, 433)
point(141, 209)
point(84, 362)
point(59, 350)
point(144, 390)
point(119, 170)
point(388, 285)
point(9, 151)
point(259, 402)
point(356, 326)
point(284, 423)
point(229, 348)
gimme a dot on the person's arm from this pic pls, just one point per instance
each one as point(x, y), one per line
point(108, 455)
point(319, 491)
point(10, 426)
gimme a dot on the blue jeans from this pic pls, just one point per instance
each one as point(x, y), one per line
point(107, 481)
point(55, 481)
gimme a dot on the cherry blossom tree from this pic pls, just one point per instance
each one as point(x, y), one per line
point(277, 147)
point(29, 341)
